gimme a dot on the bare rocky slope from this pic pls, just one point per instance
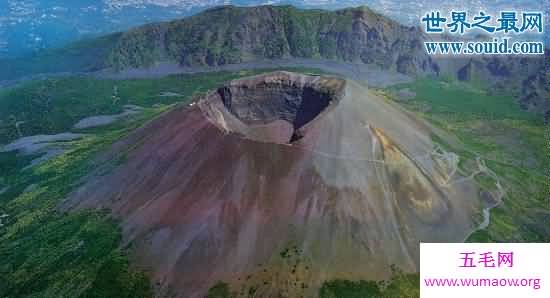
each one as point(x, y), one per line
point(280, 182)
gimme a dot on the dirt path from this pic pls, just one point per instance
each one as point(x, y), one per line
point(370, 74)
point(500, 192)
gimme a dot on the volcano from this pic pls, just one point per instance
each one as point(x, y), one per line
point(279, 182)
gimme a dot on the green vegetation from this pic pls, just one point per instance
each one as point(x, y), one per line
point(352, 289)
point(219, 36)
point(219, 290)
point(48, 253)
point(86, 55)
point(512, 142)
point(222, 36)
point(400, 285)
point(463, 101)
point(54, 105)
point(44, 253)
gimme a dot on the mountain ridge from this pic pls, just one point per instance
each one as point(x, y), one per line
point(244, 34)
point(145, 45)
point(227, 35)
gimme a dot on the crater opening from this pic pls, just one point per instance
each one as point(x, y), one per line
point(274, 107)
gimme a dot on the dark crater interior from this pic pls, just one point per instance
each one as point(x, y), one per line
point(269, 101)
point(275, 107)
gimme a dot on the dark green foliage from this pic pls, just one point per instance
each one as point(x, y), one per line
point(48, 251)
point(48, 254)
point(44, 253)
point(252, 291)
point(137, 47)
point(285, 253)
point(10, 163)
point(401, 285)
point(219, 290)
point(54, 105)
point(225, 35)
point(481, 236)
point(228, 35)
point(352, 289)
point(115, 279)
point(463, 101)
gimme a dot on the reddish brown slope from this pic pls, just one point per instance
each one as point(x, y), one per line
point(267, 184)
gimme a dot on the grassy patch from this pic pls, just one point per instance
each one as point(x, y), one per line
point(511, 142)
point(44, 253)
point(54, 105)
point(346, 288)
point(219, 290)
point(400, 285)
point(464, 101)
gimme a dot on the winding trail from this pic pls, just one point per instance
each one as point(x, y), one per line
point(452, 159)
point(483, 169)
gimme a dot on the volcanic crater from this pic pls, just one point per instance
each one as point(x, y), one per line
point(274, 108)
point(316, 165)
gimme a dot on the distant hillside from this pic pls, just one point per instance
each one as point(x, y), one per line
point(234, 34)
point(229, 34)
point(82, 56)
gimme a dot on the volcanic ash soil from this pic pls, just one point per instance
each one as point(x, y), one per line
point(280, 182)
